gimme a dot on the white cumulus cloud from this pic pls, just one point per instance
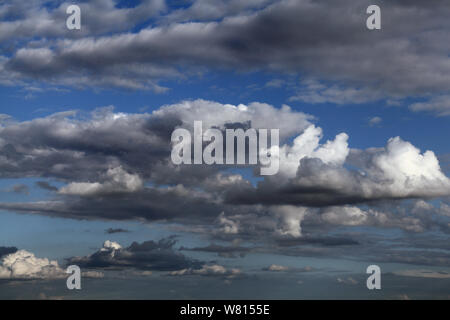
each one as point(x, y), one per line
point(25, 265)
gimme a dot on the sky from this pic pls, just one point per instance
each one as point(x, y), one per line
point(86, 177)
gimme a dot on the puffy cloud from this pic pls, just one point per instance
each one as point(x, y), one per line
point(228, 226)
point(354, 216)
point(111, 247)
point(291, 218)
point(410, 170)
point(257, 115)
point(350, 216)
point(256, 221)
point(69, 147)
point(307, 145)
point(321, 177)
point(25, 265)
point(117, 181)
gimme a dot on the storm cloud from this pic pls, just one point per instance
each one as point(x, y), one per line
point(149, 255)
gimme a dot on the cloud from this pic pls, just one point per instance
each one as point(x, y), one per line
point(147, 256)
point(412, 218)
point(222, 251)
point(117, 230)
point(280, 268)
point(25, 265)
point(204, 10)
point(92, 274)
point(99, 17)
point(67, 146)
point(117, 166)
point(228, 226)
point(291, 218)
point(420, 257)
point(322, 241)
point(7, 250)
point(117, 181)
point(276, 267)
point(209, 271)
point(349, 280)
point(439, 105)
point(274, 83)
point(46, 186)
point(314, 92)
point(375, 121)
point(267, 35)
point(317, 175)
point(423, 274)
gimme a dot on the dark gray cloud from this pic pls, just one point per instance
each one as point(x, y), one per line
point(149, 255)
point(83, 147)
point(115, 230)
point(117, 166)
point(222, 251)
point(322, 241)
point(7, 250)
point(320, 39)
point(46, 186)
point(149, 204)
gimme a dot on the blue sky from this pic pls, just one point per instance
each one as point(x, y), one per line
point(137, 70)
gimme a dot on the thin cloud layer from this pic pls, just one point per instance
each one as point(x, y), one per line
point(209, 271)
